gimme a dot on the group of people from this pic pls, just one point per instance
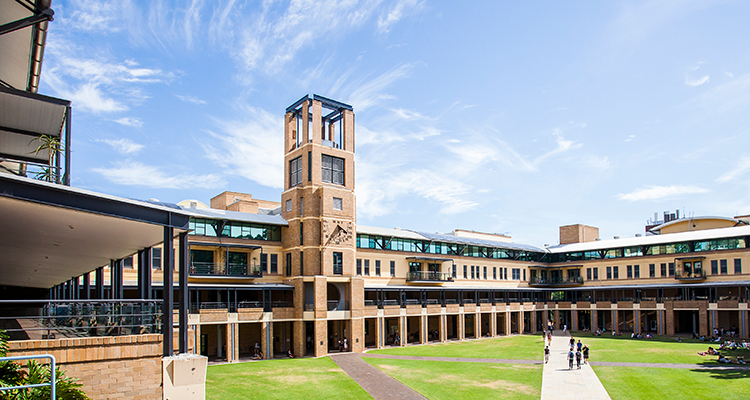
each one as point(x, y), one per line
point(641, 336)
point(578, 351)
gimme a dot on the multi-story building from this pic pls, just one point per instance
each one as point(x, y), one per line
point(300, 274)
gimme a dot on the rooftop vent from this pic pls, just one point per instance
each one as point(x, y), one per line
point(616, 237)
point(638, 235)
point(598, 239)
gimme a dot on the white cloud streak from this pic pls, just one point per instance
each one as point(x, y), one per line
point(190, 99)
point(123, 146)
point(401, 9)
point(659, 192)
point(696, 82)
point(137, 174)
point(250, 148)
point(738, 170)
point(127, 121)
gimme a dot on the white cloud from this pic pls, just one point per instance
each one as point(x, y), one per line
point(729, 74)
point(97, 84)
point(366, 94)
point(190, 99)
point(563, 145)
point(728, 95)
point(127, 121)
point(659, 192)
point(630, 138)
point(741, 168)
point(696, 82)
point(401, 9)
point(137, 174)
point(123, 146)
point(251, 147)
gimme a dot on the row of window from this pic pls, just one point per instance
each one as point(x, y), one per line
point(365, 241)
point(363, 268)
point(480, 272)
point(718, 267)
point(652, 250)
point(233, 229)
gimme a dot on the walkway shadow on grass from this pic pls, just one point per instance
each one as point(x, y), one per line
point(656, 338)
point(733, 371)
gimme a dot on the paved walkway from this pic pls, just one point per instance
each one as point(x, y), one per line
point(558, 382)
point(377, 383)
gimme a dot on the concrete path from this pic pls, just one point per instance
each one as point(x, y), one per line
point(560, 383)
point(377, 383)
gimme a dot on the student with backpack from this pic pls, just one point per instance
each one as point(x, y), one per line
point(578, 358)
point(571, 356)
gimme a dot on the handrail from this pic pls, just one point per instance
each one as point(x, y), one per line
point(226, 269)
point(536, 280)
point(53, 374)
point(429, 276)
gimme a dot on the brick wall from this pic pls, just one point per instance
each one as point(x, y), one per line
point(118, 367)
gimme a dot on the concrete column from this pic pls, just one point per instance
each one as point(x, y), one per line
point(637, 321)
point(533, 322)
point(573, 320)
point(520, 322)
point(233, 342)
point(423, 329)
point(706, 321)
point(743, 323)
point(594, 320)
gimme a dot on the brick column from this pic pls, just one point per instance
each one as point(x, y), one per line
point(637, 321)
point(402, 331)
point(443, 328)
point(520, 322)
point(669, 320)
point(573, 320)
point(615, 321)
point(460, 321)
point(379, 332)
point(423, 328)
point(743, 323)
point(532, 321)
point(299, 347)
point(478, 325)
point(493, 324)
point(594, 320)
point(706, 321)
point(556, 313)
point(197, 348)
point(508, 316)
point(321, 338)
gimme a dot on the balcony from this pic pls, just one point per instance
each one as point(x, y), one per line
point(50, 319)
point(546, 282)
point(228, 269)
point(429, 277)
point(690, 276)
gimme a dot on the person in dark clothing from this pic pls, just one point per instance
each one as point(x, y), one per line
point(546, 354)
point(585, 354)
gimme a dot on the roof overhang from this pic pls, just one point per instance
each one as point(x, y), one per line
point(417, 258)
point(52, 233)
point(23, 35)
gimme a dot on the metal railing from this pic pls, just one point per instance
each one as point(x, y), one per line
point(539, 281)
point(690, 275)
point(333, 305)
point(53, 374)
point(430, 276)
point(228, 269)
point(50, 319)
point(250, 304)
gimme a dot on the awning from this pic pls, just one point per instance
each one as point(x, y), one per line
point(429, 259)
point(52, 233)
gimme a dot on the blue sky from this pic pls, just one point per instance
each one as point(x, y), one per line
point(507, 117)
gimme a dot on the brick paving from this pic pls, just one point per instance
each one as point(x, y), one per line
point(376, 382)
point(559, 382)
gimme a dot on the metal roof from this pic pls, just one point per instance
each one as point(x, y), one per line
point(479, 242)
point(558, 289)
point(677, 221)
point(388, 232)
point(706, 234)
point(23, 32)
point(235, 216)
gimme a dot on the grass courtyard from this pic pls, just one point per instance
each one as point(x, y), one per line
point(320, 378)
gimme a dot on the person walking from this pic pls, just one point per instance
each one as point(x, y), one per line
point(571, 356)
point(585, 354)
point(578, 358)
point(579, 344)
point(546, 354)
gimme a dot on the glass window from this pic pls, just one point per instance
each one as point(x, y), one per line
point(377, 267)
point(393, 269)
point(264, 262)
point(295, 172)
point(156, 258)
point(454, 271)
point(289, 205)
point(609, 272)
point(723, 266)
point(615, 272)
point(714, 267)
point(671, 269)
point(636, 271)
point(274, 263)
point(737, 266)
point(127, 262)
point(337, 204)
point(629, 271)
point(464, 272)
point(588, 274)
point(472, 272)
point(333, 170)
point(494, 273)
point(367, 267)
point(301, 206)
point(663, 267)
point(516, 274)
point(288, 264)
point(596, 273)
point(485, 272)
point(652, 270)
point(359, 266)
point(338, 263)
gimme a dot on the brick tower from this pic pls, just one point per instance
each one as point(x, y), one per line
point(320, 243)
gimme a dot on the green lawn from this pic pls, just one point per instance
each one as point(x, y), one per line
point(463, 380)
point(624, 383)
point(512, 348)
point(302, 378)
point(661, 349)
